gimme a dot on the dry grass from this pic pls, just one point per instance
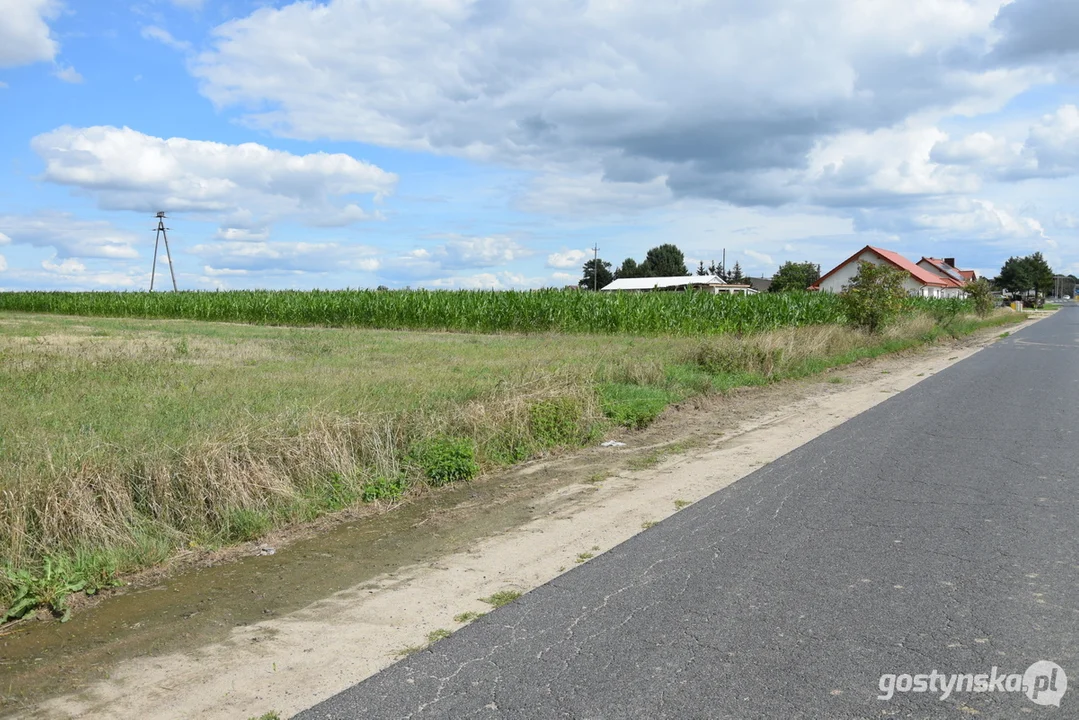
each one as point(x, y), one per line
point(123, 441)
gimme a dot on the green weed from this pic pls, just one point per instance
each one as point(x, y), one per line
point(445, 460)
point(503, 597)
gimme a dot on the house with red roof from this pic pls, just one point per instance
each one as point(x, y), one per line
point(924, 279)
point(946, 269)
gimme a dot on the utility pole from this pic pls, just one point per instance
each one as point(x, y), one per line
point(595, 267)
point(158, 237)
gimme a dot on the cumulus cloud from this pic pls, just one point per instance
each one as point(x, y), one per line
point(3, 263)
point(236, 185)
point(1050, 150)
point(567, 259)
point(487, 281)
point(456, 253)
point(266, 256)
point(721, 100)
point(1037, 29)
point(68, 235)
point(24, 33)
point(956, 218)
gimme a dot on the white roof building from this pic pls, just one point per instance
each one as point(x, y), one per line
point(678, 282)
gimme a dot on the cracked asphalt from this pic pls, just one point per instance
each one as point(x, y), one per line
point(936, 531)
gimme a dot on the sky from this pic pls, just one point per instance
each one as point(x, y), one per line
point(493, 143)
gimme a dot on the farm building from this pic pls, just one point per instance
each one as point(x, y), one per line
point(710, 283)
point(931, 282)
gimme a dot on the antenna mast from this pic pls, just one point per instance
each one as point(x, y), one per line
point(158, 237)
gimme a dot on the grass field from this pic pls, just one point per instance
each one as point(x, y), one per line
point(539, 311)
point(125, 440)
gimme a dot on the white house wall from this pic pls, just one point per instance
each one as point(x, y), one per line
point(841, 278)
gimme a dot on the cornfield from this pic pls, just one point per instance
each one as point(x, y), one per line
point(675, 313)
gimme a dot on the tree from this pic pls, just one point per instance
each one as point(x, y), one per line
point(982, 294)
point(794, 276)
point(701, 269)
point(1041, 274)
point(736, 276)
point(1026, 274)
point(1014, 276)
point(875, 296)
point(594, 278)
point(664, 261)
point(629, 269)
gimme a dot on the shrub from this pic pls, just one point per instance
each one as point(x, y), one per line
point(446, 460)
point(982, 295)
point(875, 296)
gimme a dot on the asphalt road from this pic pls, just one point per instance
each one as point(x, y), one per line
point(937, 531)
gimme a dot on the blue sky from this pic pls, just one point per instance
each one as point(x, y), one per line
point(484, 143)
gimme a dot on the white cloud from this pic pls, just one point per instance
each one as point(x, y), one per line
point(69, 236)
point(24, 33)
point(238, 186)
point(457, 252)
point(3, 263)
point(70, 266)
point(188, 4)
point(569, 258)
point(68, 74)
point(720, 100)
point(163, 36)
point(275, 257)
point(1050, 150)
point(488, 281)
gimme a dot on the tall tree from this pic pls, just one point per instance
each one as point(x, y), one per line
point(597, 275)
point(1041, 274)
point(794, 276)
point(665, 261)
point(628, 269)
point(1014, 276)
point(736, 277)
point(701, 269)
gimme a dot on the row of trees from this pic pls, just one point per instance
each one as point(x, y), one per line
point(661, 261)
point(667, 260)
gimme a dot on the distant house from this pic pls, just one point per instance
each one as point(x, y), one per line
point(946, 269)
point(922, 281)
point(710, 283)
point(761, 284)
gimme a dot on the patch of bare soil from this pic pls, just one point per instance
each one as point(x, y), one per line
point(333, 605)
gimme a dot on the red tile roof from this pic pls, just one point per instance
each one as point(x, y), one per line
point(919, 274)
point(968, 275)
point(955, 275)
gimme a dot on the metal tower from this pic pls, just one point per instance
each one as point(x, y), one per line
point(158, 237)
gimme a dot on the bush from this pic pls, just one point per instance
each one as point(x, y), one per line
point(446, 460)
point(981, 294)
point(875, 296)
